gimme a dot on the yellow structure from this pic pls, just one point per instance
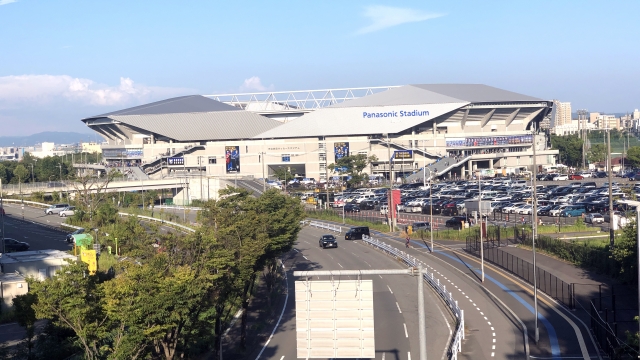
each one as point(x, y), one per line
point(89, 257)
point(91, 147)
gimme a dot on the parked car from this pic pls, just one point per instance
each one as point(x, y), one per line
point(356, 233)
point(416, 226)
point(11, 245)
point(367, 205)
point(351, 208)
point(594, 218)
point(68, 211)
point(601, 174)
point(456, 222)
point(384, 209)
point(328, 241)
point(573, 210)
point(576, 177)
point(559, 177)
point(55, 209)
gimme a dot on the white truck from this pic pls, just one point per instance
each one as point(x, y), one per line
point(472, 205)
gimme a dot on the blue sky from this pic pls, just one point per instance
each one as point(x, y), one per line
point(63, 60)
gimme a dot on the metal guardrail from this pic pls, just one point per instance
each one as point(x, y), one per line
point(330, 227)
point(456, 344)
point(32, 203)
point(160, 221)
point(175, 207)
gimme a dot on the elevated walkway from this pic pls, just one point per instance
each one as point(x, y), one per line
point(161, 162)
point(439, 168)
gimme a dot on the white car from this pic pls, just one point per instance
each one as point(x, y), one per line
point(556, 212)
point(585, 174)
point(68, 211)
point(560, 177)
point(525, 210)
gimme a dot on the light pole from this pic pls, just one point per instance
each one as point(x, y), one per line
point(31, 173)
point(480, 211)
point(611, 215)
point(390, 206)
point(430, 210)
point(2, 215)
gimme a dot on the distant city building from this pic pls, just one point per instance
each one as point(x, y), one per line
point(603, 121)
point(10, 153)
point(572, 128)
point(50, 149)
point(561, 113)
point(636, 114)
point(92, 147)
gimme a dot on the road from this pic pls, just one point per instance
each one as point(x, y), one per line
point(395, 301)
point(41, 231)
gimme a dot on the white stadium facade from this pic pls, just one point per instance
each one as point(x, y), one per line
point(453, 129)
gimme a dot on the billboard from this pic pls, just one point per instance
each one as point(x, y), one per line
point(232, 159)
point(175, 161)
point(341, 149)
point(334, 319)
point(403, 154)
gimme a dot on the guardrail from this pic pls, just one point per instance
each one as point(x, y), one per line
point(32, 203)
point(330, 227)
point(456, 344)
point(175, 207)
point(160, 221)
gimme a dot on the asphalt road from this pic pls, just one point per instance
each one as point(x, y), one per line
point(395, 301)
point(41, 231)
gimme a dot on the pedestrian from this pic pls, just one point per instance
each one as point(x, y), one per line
point(408, 240)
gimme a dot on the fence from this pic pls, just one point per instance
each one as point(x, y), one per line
point(456, 343)
point(546, 281)
point(330, 227)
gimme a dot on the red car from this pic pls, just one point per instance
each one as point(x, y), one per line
point(575, 177)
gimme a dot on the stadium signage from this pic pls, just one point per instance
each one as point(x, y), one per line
point(175, 161)
point(395, 114)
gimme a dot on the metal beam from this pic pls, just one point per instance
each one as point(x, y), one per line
point(512, 116)
point(464, 119)
point(486, 118)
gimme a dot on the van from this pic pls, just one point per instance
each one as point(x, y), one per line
point(55, 209)
point(356, 233)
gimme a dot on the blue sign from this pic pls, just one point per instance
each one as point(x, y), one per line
point(175, 161)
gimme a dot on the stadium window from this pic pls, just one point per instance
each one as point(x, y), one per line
point(286, 157)
point(323, 166)
point(322, 157)
point(362, 153)
point(212, 160)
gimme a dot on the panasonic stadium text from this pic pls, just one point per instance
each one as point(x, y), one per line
point(400, 113)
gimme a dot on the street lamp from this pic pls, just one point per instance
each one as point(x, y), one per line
point(480, 211)
point(430, 208)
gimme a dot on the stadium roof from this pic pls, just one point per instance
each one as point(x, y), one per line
point(186, 118)
point(347, 118)
point(182, 104)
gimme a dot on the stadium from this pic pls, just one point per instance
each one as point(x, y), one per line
point(451, 130)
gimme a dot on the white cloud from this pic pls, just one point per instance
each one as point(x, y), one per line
point(254, 83)
point(45, 89)
point(5, 2)
point(383, 17)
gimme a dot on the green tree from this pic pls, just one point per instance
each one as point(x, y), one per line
point(353, 165)
point(570, 148)
point(21, 173)
point(625, 253)
point(597, 153)
point(72, 299)
point(283, 174)
point(3, 174)
point(633, 155)
point(26, 317)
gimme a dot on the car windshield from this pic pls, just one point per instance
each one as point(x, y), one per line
point(328, 237)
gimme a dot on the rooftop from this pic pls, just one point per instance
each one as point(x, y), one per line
point(33, 255)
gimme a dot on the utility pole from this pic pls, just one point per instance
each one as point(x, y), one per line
point(534, 231)
point(480, 211)
point(2, 215)
point(430, 211)
point(264, 180)
point(582, 120)
point(390, 202)
point(611, 215)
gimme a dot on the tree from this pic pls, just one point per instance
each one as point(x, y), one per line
point(26, 317)
point(354, 166)
point(21, 173)
point(3, 174)
point(570, 148)
point(633, 155)
point(283, 174)
point(597, 153)
point(625, 253)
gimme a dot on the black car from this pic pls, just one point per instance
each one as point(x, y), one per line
point(456, 222)
point(328, 241)
point(367, 205)
point(416, 226)
point(11, 245)
point(351, 208)
point(356, 233)
point(601, 174)
point(70, 236)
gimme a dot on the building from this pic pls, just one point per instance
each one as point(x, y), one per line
point(572, 128)
point(11, 153)
point(561, 113)
point(91, 147)
point(466, 127)
point(39, 264)
point(603, 121)
point(11, 285)
point(635, 115)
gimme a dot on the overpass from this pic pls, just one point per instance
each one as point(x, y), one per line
point(114, 186)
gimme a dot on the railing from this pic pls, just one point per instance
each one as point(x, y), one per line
point(330, 227)
point(31, 203)
point(456, 343)
point(160, 221)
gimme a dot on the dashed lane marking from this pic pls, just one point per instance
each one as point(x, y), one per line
point(406, 334)
point(400, 311)
point(389, 289)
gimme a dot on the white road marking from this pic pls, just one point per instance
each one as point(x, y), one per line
point(282, 357)
point(341, 265)
point(380, 276)
point(406, 334)
point(408, 355)
point(400, 311)
point(383, 356)
point(493, 354)
point(286, 298)
point(296, 250)
point(389, 289)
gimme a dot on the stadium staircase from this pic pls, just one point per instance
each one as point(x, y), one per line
point(403, 147)
point(157, 165)
point(254, 186)
point(439, 168)
point(138, 173)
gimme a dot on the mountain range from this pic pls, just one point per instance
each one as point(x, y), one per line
point(48, 136)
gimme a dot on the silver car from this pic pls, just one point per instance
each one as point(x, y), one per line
point(68, 211)
point(55, 209)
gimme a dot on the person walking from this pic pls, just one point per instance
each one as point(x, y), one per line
point(408, 241)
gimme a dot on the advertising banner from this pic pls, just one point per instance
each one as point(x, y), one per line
point(341, 149)
point(175, 161)
point(232, 158)
point(394, 199)
point(489, 141)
